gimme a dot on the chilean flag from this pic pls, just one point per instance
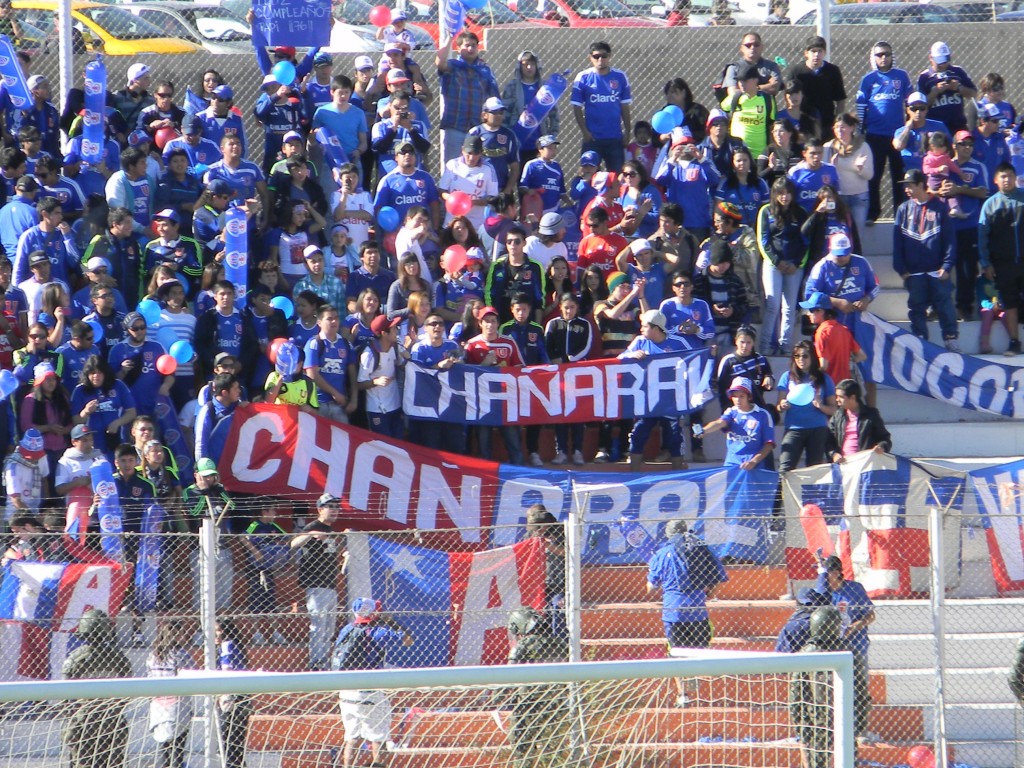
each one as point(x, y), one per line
point(1001, 509)
point(872, 511)
point(456, 604)
point(40, 605)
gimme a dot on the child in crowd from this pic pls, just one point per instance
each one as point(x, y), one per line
point(991, 310)
point(745, 362)
point(642, 148)
point(938, 166)
point(833, 343)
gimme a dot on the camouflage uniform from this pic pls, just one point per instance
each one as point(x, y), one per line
point(96, 735)
point(810, 693)
point(1016, 679)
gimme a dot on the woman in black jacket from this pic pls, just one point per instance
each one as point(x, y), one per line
point(871, 432)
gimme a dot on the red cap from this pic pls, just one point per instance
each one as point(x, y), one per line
point(382, 323)
point(961, 135)
point(287, 50)
point(485, 311)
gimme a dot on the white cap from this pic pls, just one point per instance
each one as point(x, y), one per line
point(309, 250)
point(839, 245)
point(940, 53)
point(917, 98)
point(137, 72)
point(990, 111)
point(363, 62)
point(640, 244)
point(97, 262)
point(494, 104)
point(654, 317)
point(269, 80)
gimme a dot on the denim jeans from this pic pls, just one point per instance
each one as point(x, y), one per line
point(781, 294)
point(924, 291)
point(642, 430)
point(509, 435)
point(884, 153)
point(610, 150)
point(322, 606)
point(858, 205)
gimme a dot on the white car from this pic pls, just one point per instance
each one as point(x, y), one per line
point(215, 28)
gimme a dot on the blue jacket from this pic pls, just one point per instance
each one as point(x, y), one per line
point(1001, 229)
point(923, 238)
point(18, 215)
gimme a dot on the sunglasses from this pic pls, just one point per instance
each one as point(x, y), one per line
point(37, 335)
point(164, 95)
point(138, 328)
point(918, 108)
point(599, 55)
point(751, 45)
point(801, 356)
point(434, 323)
point(413, 152)
point(630, 173)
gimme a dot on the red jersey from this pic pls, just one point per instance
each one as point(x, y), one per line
point(504, 348)
point(600, 251)
point(834, 343)
point(615, 214)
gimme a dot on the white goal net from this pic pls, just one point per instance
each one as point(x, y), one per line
point(714, 708)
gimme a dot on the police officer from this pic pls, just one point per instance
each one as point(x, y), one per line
point(810, 693)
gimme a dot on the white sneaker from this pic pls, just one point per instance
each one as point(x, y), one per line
point(601, 457)
point(577, 458)
point(560, 458)
point(953, 345)
point(535, 460)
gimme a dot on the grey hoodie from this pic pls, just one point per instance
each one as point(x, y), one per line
point(514, 97)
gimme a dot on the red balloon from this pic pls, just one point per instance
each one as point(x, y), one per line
point(453, 259)
point(389, 242)
point(164, 135)
point(458, 203)
point(166, 365)
point(380, 16)
point(272, 349)
point(921, 757)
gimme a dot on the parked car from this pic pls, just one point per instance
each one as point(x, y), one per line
point(107, 28)
point(884, 13)
point(217, 29)
point(493, 14)
point(975, 10)
point(701, 11)
point(584, 13)
point(1011, 16)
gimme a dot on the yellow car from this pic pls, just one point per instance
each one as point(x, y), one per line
point(105, 28)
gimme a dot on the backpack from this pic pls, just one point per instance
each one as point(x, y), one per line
point(701, 564)
point(355, 649)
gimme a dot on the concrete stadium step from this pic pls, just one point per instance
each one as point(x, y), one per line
point(916, 687)
point(615, 649)
point(730, 618)
point(991, 615)
point(899, 407)
point(989, 754)
point(967, 651)
point(969, 339)
point(628, 583)
point(966, 722)
point(972, 438)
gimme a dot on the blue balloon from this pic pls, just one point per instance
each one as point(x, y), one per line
point(97, 330)
point(150, 310)
point(182, 351)
point(166, 337)
point(676, 113)
point(284, 304)
point(474, 5)
point(284, 72)
point(662, 122)
point(389, 219)
point(8, 383)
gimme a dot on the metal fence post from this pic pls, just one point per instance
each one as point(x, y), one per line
point(207, 623)
point(938, 606)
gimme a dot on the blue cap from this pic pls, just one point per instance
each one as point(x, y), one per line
point(138, 136)
point(817, 300)
point(169, 214)
point(219, 187)
point(322, 59)
point(590, 158)
point(72, 157)
point(223, 92)
point(191, 125)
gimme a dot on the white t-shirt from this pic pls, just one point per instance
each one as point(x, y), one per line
point(73, 467)
point(406, 242)
point(380, 399)
point(479, 183)
point(358, 230)
point(543, 254)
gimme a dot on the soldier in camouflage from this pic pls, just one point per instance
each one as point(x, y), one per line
point(96, 735)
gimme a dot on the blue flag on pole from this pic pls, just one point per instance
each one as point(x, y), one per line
point(543, 102)
point(151, 548)
point(170, 428)
point(108, 510)
point(236, 253)
point(93, 138)
point(334, 155)
point(13, 77)
point(454, 20)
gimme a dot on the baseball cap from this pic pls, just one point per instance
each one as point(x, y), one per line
point(362, 62)
point(328, 500)
point(206, 468)
point(917, 98)
point(817, 300)
point(97, 262)
point(269, 80)
point(364, 609)
point(547, 140)
point(485, 311)
point(190, 126)
point(38, 257)
point(602, 181)
point(840, 245)
point(741, 383)
point(137, 72)
point(615, 279)
point(131, 318)
point(640, 244)
point(323, 60)
point(138, 136)
point(475, 253)
point(382, 323)
point(940, 52)
point(962, 136)
point(292, 136)
point(913, 176)
point(27, 183)
point(989, 112)
point(168, 213)
point(681, 136)
point(812, 597)
point(833, 563)
point(223, 358)
point(590, 157)
point(218, 187)
point(35, 81)
point(403, 144)
point(473, 144)
point(550, 223)
point(396, 76)
point(748, 72)
point(223, 92)
point(311, 250)
point(285, 50)
point(31, 445)
point(654, 317)
point(494, 104)
point(80, 431)
point(42, 371)
point(393, 47)
point(72, 157)
point(716, 114)
point(398, 16)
